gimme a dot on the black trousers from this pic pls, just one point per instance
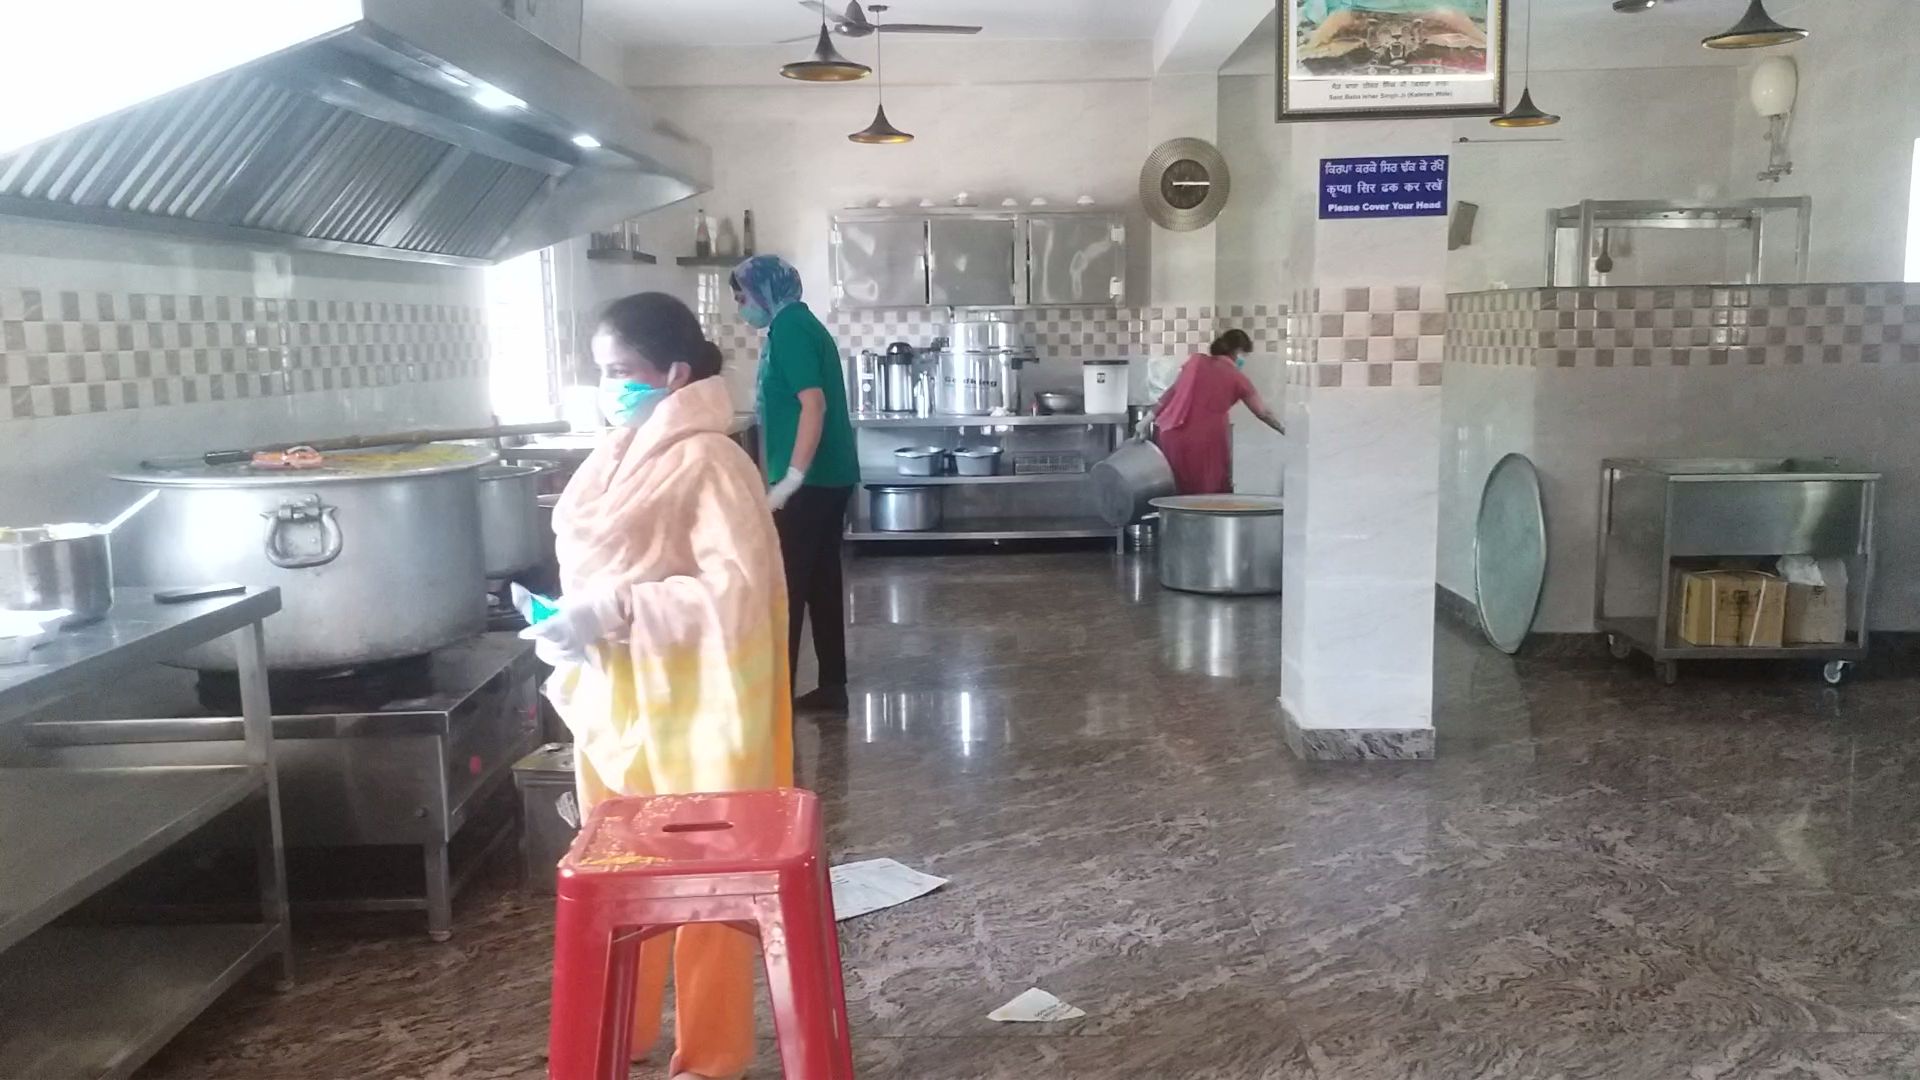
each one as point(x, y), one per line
point(810, 526)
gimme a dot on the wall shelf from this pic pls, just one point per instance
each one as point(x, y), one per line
point(886, 480)
point(712, 262)
point(620, 255)
point(892, 420)
point(1004, 529)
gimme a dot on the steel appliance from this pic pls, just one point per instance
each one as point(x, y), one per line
point(897, 378)
point(376, 554)
point(57, 567)
point(549, 813)
point(1230, 544)
point(428, 130)
point(415, 754)
point(866, 390)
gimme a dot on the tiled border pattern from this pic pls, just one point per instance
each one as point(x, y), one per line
point(1368, 336)
point(1067, 332)
point(65, 353)
point(1688, 326)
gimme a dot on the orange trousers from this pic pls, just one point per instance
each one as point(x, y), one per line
point(712, 999)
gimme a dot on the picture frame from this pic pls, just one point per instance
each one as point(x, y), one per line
point(1391, 59)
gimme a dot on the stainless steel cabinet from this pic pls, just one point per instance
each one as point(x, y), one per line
point(951, 257)
point(1076, 259)
point(974, 261)
point(880, 262)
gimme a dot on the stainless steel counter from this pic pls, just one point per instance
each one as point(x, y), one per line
point(99, 1000)
point(896, 420)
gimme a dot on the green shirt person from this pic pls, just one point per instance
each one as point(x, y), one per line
point(808, 434)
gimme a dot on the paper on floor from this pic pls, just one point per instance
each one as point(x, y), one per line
point(1035, 1006)
point(872, 884)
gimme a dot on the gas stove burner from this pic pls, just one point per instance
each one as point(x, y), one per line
point(361, 688)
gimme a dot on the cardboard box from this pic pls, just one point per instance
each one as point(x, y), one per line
point(1732, 608)
point(1817, 614)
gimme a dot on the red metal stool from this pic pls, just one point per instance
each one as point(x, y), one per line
point(642, 866)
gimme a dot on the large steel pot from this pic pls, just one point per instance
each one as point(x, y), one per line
point(510, 539)
point(376, 554)
point(57, 567)
point(1127, 482)
point(1229, 544)
point(905, 508)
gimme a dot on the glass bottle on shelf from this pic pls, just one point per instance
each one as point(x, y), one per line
point(746, 233)
point(702, 238)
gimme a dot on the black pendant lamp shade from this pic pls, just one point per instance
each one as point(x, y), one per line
point(1755, 30)
point(1525, 114)
point(826, 64)
point(881, 132)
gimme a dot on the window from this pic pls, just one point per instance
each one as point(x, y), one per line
point(1913, 219)
point(520, 337)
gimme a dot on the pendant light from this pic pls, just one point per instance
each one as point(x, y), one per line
point(1525, 114)
point(881, 131)
point(1755, 30)
point(826, 64)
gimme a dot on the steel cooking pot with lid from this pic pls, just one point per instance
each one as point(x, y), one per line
point(376, 553)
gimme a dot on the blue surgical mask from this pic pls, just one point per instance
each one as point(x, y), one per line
point(1240, 361)
point(628, 402)
point(755, 315)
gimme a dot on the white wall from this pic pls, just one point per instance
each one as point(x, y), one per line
point(55, 468)
point(993, 119)
point(1852, 137)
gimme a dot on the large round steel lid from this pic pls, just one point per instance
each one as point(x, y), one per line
point(337, 467)
point(1221, 504)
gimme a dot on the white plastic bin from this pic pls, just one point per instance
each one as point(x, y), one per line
point(1105, 385)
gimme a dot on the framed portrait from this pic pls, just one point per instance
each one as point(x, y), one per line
point(1391, 59)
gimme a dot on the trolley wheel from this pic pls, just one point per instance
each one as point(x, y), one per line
point(1618, 647)
point(1836, 671)
point(1667, 671)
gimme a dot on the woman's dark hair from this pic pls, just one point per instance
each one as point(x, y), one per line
point(664, 331)
point(1230, 342)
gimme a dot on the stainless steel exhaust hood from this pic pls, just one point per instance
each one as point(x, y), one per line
point(429, 130)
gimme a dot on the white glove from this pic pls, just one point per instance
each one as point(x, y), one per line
point(778, 495)
point(581, 619)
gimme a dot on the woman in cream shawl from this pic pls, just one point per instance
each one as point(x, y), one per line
point(669, 642)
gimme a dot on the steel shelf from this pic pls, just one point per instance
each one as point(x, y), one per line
point(99, 1001)
point(888, 480)
point(137, 632)
point(1006, 529)
point(54, 858)
point(888, 420)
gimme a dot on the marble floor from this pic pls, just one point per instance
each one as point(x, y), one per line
point(1598, 878)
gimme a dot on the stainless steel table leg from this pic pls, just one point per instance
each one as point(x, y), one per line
point(439, 892)
point(256, 712)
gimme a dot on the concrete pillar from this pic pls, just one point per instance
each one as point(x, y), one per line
point(1363, 407)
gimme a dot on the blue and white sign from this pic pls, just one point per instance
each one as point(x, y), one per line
point(1383, 187)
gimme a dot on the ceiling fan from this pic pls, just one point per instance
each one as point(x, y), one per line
point(853, 23)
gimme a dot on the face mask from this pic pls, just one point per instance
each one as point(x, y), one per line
point(755, 315)
point(628, 402)
point(1240, 361)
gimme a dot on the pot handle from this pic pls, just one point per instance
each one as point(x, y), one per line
point(306, 510)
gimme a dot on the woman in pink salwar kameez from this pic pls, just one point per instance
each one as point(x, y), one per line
point(1192, 415)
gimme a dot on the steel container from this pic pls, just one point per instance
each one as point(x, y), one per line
point(1228, 544)
point(377, 555)
point(1129, 479)
point(982, 335)
point(54, 567)
point(920, 460)
point(896, 389)
point(976, 460)
point(510, 520)
point(905, 508)
point(866, 383)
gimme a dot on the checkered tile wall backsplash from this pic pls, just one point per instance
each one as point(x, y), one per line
point(1687, 326)
point(1361, 336)
point(64, 353)
point(1068, 332)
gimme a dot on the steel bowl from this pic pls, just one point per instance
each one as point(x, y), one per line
point(920, 460)
point(1061, 401)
